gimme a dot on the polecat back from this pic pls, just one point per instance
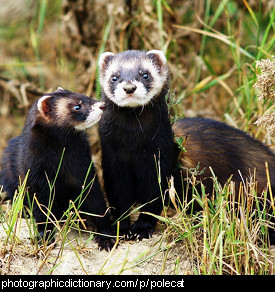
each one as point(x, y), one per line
point(228, 151)
point(56, 123)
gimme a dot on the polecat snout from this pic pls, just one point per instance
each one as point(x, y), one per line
point(55, 123)
point(136, 135)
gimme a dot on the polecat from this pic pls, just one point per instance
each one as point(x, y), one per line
point(56, 122)
point(138, 149)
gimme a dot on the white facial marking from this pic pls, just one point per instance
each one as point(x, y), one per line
point(104, 79)
point(93, 117)
point(132, 63)
point(61, 110)
point(158, 78)
point(120, 97)
point(137, 98)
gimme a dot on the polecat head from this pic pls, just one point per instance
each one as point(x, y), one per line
point(133, 78)
point(68, 109)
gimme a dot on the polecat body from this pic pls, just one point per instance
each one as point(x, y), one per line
point(56, 122)
point(136, 133)
point(136, 136)
point(227, 150)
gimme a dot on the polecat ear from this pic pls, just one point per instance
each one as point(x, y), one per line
point(44, 105)
point(103, 61)
point(60, 88)
point(157, 57)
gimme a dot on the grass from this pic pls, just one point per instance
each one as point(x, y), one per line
point(228, 236)
point(71, 221)
point(212, 50)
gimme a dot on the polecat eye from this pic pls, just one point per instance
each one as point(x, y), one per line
point(145, 76)
point(114, 78)
point(77, 107)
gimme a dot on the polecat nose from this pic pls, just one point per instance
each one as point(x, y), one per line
point(102, 106)
point(129, 88)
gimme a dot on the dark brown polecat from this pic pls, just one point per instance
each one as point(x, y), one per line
point(139, 154)
point(138, 150)
point(56, 123)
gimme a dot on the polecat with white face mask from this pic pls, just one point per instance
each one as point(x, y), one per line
point(56, 123)
point(139, 154)
point(137, 142)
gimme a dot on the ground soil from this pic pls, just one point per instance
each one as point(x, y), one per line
point(145, 257)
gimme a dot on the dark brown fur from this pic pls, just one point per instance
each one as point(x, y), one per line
point(227, 150)
point(39, 148)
